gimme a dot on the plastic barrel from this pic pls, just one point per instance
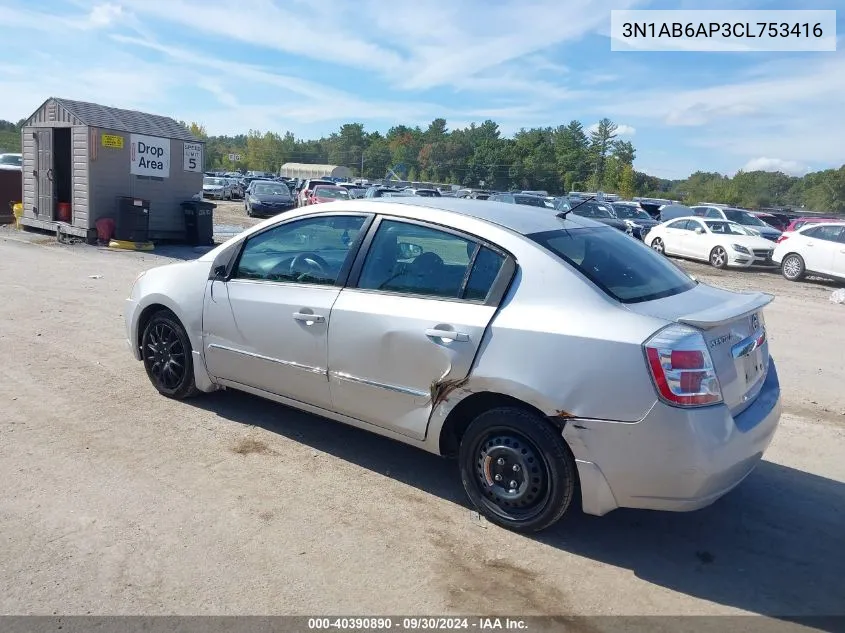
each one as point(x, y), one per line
point(64, 212)
point(17, 211)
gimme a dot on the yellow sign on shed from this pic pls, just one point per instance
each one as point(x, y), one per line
point(113, 141)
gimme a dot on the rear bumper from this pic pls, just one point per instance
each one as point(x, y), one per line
point(673, 459)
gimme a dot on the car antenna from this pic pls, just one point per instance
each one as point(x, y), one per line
point(562, 215)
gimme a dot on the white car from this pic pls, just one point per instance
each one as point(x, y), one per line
point(817, 249)
point(11, 162)
point(219, 188)
point(721, 242)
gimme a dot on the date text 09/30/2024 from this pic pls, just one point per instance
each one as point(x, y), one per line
point(417, 624)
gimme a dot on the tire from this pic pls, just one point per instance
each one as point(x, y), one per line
point(523, 446)
point(657, 245)
point(165, 342)
point(793, 267)
point(719, 258)
point(248, 210)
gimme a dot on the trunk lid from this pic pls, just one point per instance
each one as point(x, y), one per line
point(734, 330)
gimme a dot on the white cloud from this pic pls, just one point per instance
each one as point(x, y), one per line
point(104, 15)
point(790, 167)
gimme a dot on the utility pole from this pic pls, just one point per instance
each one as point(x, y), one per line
point(362, 162)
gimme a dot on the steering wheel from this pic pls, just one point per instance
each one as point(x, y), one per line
point(311, 261)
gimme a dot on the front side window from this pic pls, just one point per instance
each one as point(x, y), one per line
point(307, 251)
point(625, 269)
point(420, 260)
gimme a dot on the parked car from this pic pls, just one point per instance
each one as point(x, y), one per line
point(218, 188)
point(327, 193)
point(265, 197)
point(11, 161)
point(672, 211)
point(306, 187)
point(802, 221)
point(740, 216)
point(426, 193)
point(720, 242)
point(635, 217)
point(599, 211)
point(518, 198)
point(775, 220)
point(813, 249)
point(235, 188)
point(379, 192)
point(635, 386)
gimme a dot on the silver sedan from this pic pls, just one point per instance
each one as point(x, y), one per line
point(550, 354)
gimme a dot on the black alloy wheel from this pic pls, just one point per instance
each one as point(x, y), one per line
point(166, 350)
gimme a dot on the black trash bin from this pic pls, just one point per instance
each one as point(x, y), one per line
point(199, 222)
point(132, 223)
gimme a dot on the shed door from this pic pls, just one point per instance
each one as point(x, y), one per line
point(45, 194)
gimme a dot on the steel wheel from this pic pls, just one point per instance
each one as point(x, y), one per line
point(166, 351)
point(657, 244)
point(792, 267)
point(517, 469)
point(512, 474)
point(718, 257)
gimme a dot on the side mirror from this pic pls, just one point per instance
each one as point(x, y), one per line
point(409, 251)
point(699, 231)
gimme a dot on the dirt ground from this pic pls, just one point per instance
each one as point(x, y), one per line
point(119, 501)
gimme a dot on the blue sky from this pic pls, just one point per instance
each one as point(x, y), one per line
point(309, 65)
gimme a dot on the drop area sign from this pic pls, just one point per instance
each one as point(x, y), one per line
point(149, 156)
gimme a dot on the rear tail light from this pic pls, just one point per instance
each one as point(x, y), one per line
point(682, 368)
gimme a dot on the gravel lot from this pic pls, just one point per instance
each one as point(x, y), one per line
point(119, 501)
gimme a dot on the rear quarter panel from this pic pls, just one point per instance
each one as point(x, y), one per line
point(563, 346)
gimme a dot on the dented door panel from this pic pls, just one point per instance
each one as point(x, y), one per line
point(387, 362)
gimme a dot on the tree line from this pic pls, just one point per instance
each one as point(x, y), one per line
point(556, 159)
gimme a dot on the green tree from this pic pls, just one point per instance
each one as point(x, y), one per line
point(601, 139)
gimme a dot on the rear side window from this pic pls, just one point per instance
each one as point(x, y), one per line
point(623, 267)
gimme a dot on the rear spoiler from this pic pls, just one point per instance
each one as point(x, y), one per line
point(743, 305)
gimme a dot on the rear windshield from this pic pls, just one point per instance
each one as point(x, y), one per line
point(621, 266)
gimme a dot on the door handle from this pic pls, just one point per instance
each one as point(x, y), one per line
point(448, 335)
point(309, 318)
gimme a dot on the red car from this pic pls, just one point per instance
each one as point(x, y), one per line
point(327, 193)
point(797, 223)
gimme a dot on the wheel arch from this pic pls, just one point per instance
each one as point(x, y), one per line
point(465, 410)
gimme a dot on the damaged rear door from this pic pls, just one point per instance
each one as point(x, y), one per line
point(411, 322)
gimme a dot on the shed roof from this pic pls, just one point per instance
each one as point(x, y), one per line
point(312, 166)
point(130, 121)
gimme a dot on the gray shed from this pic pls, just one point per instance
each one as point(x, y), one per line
point(88, 155)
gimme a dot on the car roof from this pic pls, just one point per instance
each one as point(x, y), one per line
point(810, 225)
point(525, 221)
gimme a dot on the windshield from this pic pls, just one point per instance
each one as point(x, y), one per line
point(625, 269)
point(744, 217)
point(11, 159)
point(727, 228)
point(337, 194)
point(630, 212)
point(218, 182)
point(274, 189)
point(592, 210)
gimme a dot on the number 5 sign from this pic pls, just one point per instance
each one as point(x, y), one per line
point(193, 157)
